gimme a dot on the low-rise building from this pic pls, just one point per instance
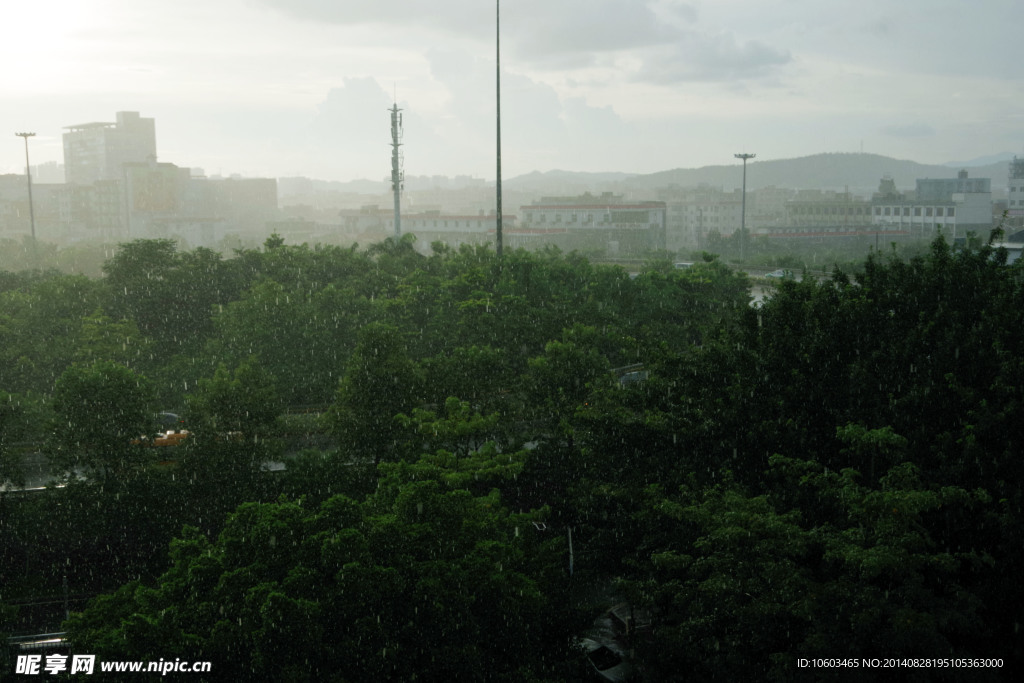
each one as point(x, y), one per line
point(825, 211)
point(954, 205)
point(694, 212)
point(606, 223)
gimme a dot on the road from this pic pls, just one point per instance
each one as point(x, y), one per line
point(36, 468)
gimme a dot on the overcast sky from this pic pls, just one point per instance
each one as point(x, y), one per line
point(301, 87)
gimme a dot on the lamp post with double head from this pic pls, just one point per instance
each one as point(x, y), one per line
point(743, 210)
point(28, 174)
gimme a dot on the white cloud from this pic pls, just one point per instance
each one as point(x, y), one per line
point(909, 130)
point(701, 57)
point(299, 86)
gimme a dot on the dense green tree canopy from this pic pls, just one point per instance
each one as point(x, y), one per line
point(833, 473)
point(103, 418)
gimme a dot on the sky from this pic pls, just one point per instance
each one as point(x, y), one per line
point(277, 88)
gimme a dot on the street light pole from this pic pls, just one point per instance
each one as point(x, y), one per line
point(31, 209)
point(743, 210)
point(497, 43)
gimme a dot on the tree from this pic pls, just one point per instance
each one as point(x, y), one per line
point(12, 428)
point(40, 329)
point(103, 410)
point(568, 372)
point(419, 581)
point(380, 382)
point(245, 402)
point(169, 295)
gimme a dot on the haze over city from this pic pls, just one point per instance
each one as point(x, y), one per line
point(300, 87)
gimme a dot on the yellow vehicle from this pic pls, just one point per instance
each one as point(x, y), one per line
point(172, 432)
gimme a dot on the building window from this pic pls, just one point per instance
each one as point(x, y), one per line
point(878, 211)
point(949, 211)
point(917, 210)
point(928, 211)
point(906, 210)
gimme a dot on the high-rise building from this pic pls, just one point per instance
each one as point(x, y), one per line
point(98, 151)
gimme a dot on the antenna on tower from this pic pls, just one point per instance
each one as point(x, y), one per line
point(397, 170)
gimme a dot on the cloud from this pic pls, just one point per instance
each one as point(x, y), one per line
point(911, 130)
point(704, 57)
point(563, 34)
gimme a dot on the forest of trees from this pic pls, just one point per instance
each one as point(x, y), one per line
point(832, 474)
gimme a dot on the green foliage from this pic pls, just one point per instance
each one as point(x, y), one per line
point(302, 337)
point(40, 328)
point(742, 587)
point(419, 581)
point(13, 428)
point(380, 382)
point(834, 473)
point(102, 338)
point(169, 295)
point(244, 401)
point(100, 410)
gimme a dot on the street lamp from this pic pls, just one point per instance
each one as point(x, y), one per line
point(28, 174)
point(743, 211)
point(497, 79)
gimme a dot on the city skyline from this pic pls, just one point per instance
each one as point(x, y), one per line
point(301, 88)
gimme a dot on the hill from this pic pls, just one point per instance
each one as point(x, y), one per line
point(859, 173)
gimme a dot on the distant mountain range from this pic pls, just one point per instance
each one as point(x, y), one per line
point(1002, 157)
point(860, 173)
point(856, 172)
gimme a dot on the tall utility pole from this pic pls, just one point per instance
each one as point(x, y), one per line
point(397, 175)
point(497, 43)
point(28, 174)
point(743, 210)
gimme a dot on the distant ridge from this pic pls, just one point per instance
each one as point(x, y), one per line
point(987, 160)
point(859, 172)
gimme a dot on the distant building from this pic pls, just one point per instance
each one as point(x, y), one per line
point(825, 212)
point(954, 205)
point(693, 212)
point(48, 173)
point(15, 214)
point(454, 229)
point(244, 204)
point(98, 151)
point(158, 204)
point(605, 223)
point(1015, 195)
point(92, 211)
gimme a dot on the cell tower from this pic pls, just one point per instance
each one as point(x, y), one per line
point(397, 172)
